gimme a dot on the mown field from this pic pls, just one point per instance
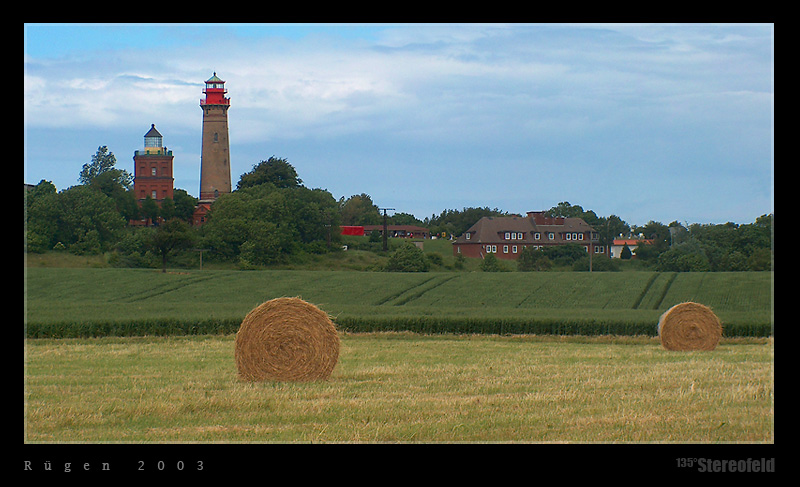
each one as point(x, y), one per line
point(403, 388)
point(68, 302)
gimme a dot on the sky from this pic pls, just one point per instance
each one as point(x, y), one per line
point(648, 122)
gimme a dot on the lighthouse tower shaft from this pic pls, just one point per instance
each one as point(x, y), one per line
point(215, 167)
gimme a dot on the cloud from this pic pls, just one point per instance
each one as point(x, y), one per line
point(609, 108)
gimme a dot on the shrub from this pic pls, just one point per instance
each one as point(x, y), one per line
point(407, 258)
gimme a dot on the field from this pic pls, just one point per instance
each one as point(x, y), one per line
point(464, 375)
point(402, 387)
point(64, 302)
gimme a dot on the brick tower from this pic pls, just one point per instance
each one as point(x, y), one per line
point(215, 167)
point(153, 169)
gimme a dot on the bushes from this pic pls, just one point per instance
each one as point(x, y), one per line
point(408, 258)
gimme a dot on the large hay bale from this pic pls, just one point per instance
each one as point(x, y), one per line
point(286, 339)
point(689, 326)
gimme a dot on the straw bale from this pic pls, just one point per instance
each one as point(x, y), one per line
point(286, 340)
point(689, 326)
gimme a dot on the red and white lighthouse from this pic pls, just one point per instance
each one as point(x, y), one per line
point(215, 167)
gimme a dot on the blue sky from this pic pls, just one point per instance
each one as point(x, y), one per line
point(643, 121)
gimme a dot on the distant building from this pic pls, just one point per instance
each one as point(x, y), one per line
point(506, 236)
point(620, 243)
point(399, 231)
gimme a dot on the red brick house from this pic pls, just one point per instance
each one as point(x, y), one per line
point(507, 236)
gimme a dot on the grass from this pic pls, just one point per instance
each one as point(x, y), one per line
point(401, 387)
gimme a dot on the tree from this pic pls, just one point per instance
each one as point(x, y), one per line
point(532, 259)
point(88, 220)
point(170, 237)
point(456, 222)
point(104, 161)
point(274, 171)
point(359, 210)
point(42, 213)
point(491, 263)
point(263, 225)
point(184, 204)
point(407, 258)
point(150, 209)
point(626, 253)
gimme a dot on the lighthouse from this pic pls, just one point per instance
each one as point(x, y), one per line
point(153, 169)
point(215, 164)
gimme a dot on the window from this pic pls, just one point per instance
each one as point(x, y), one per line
point(580, 236)
point(152, 171)
point(508, 236)
point(505, 249)
point(155, 194)
point(567, 236)
point(467, 235)
point(514, 249)
point(599, 249)
point(537, 236)
point(551, 235)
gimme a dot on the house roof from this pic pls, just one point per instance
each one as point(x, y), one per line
point(631, 241)
point(492, 229)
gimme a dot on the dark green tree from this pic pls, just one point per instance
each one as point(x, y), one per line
point(88, 222)
point(531, 259)
point(359, 210)
point(150, 209)
point(184, 204)
point(170, 237)
point(275, 171)
point(42, 214)
point(102, 162)
point(491, 263)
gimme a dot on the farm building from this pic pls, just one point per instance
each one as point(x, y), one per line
point(507, 236)
point(620, 243)
point(399, 231)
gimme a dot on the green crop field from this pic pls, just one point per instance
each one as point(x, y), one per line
point(64, 302)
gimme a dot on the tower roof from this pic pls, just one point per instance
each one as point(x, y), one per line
point(214, 79)
point(152, 132)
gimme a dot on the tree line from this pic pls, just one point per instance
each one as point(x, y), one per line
point(272, 218)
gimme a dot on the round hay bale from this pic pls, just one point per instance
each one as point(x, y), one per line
point(689, 326)
point(286, 339)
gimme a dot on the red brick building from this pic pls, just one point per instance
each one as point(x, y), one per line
point(507, 236)
point(153, 169)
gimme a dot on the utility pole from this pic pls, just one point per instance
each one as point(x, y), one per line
point(385, 228)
